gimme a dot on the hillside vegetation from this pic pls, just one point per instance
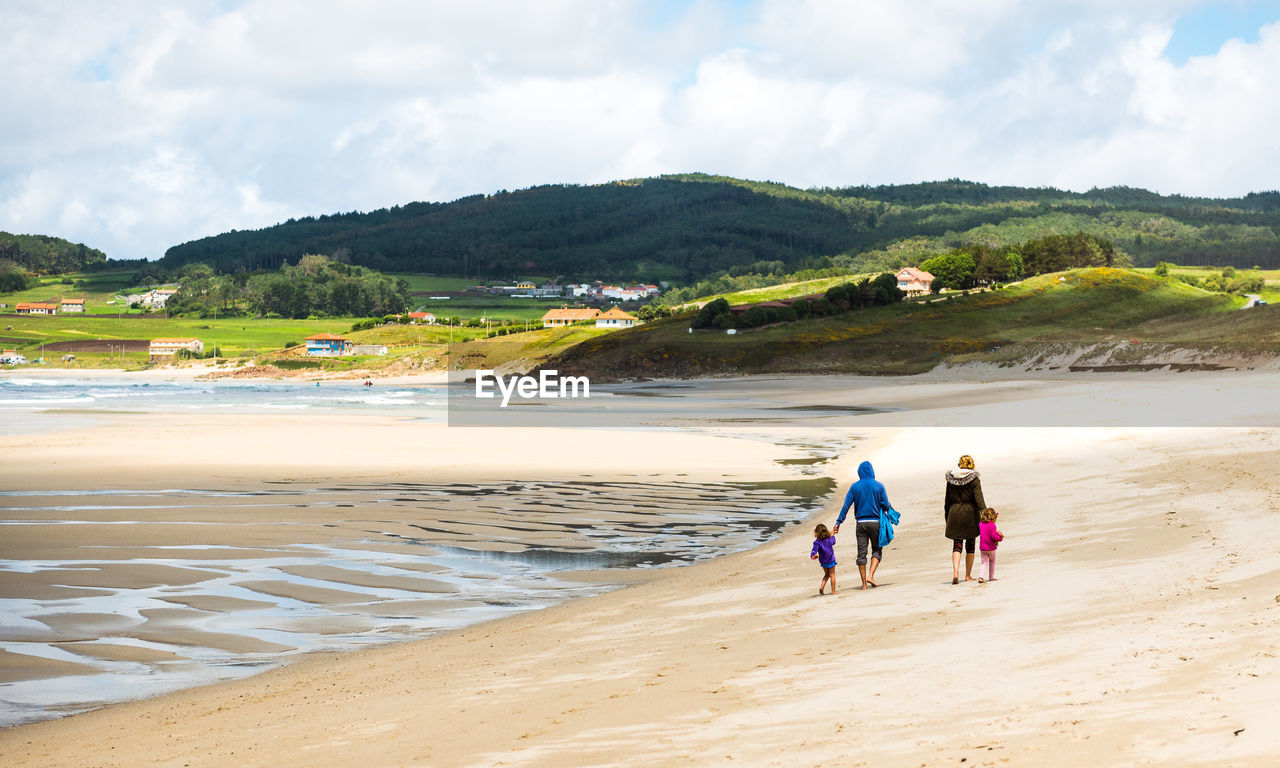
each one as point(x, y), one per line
point(45, 254)
point(1100, 306)
point(687, 227)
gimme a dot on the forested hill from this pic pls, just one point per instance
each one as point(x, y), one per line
point(50, 255)
point(689, 226)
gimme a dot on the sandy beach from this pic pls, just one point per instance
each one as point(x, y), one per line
point(1135, 621)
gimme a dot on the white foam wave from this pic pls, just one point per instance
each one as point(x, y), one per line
point(39, 382)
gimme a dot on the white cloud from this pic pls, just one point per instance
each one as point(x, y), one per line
point(132, 130)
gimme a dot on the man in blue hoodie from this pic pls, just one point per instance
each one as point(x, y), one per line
point(868, 499)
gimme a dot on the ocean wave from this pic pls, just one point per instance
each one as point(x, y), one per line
point(38, 383)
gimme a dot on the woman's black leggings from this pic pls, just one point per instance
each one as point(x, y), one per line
point(965, 544)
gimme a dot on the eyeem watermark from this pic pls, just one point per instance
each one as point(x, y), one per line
point(548, 383)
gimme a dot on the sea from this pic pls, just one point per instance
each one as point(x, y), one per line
point(404, 561)
point(29, 404)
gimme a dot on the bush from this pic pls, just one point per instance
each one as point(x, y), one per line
point(710, 311)
point(756, 317)
point(841, 296)
point(821, 308)
point(885, 289)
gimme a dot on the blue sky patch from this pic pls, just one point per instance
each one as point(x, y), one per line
point(1202, 30)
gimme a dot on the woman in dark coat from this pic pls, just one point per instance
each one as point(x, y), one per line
point(960, 513)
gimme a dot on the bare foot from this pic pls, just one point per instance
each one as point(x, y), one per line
point(968, 578)
point(993, 578)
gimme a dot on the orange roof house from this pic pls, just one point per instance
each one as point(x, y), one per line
point(35, 308)
point(615, 318)
point(558, 317)
point(914, 281)
point(72, 305)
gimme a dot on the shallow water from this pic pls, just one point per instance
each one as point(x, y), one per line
point(210, 584)
point(28, 404)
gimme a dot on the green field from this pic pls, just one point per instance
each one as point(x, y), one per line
point(491, 307)
point(780, 291)
point(1270, 290)
point(96, 288)
point(94, 336)
point(428, 283)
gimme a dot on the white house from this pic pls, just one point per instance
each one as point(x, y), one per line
point(165, 350)
point(615, 318)
point(156, 298)
point(72, 305)
point(35, 308)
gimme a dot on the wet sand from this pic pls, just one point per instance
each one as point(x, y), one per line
point(177, 557)
point(1135, 621)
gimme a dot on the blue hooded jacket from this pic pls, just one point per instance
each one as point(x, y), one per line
point(867, 497)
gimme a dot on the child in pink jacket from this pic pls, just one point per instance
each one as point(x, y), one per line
point(989, 539)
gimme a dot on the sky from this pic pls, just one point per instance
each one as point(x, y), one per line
point(132, 126)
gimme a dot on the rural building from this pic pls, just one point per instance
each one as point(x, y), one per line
point(554, 318)
point(422, 317)
point(368, 349)
point(11, 357)
point(327, 345)
point(72, 305)
point(615, 318)
point(35, 308)
point(156, 299)
point(914, 281)
point(165, 350)
point(739, 309)
point(525, 285)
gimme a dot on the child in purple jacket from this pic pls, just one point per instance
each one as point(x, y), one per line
point(824, 551)
point(989, 539)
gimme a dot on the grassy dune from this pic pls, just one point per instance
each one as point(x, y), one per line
point(775, 292)
point(1074, 308)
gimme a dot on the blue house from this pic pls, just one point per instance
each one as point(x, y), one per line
point(327, 345)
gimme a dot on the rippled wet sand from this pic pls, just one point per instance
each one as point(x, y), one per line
point(114, 594)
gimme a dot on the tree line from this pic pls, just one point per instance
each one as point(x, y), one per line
point(22, 257)
point(838, 299)
point(976, 265)
point(316, 285)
